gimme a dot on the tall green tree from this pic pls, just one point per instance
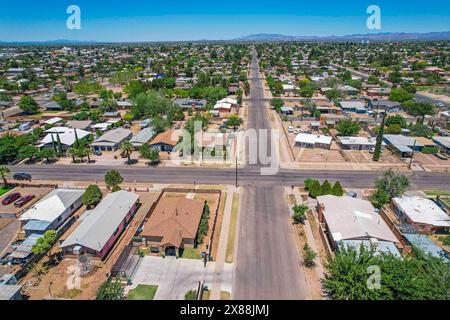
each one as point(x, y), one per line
point(347, 127)
point(45, 243)
point(113, 179)
point(92, 196)
point(379, 144)
point(28, 105)
point(389, 186)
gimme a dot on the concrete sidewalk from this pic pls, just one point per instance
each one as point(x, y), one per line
point(219, 275)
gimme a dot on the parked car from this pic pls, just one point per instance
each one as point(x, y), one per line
point(24, 200)
point(290, 129)
point(97, 153)
point(372, 150)
point(22, 176)
point(11, 198)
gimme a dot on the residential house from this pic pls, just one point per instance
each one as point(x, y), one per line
point(112, 140)
point(305, 140)
point(173, 225)
point(422, 214)
point(52, 211)
point(358, 143)
point(67, 137)
point(402, 145)
point(443, 143)
point(164, 141)
point(142, 137)
point(101, 227)
point(353, 222)
point(355, 106)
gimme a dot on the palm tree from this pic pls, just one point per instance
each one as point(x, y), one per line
point(127, 148)
point(72, 152)
point(88, 152)
point(4, 172)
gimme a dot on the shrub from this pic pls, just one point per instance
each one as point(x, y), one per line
point(308, 256)
point(430, 150)
point(299, 216)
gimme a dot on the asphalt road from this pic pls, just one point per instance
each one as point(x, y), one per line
point(267, 259)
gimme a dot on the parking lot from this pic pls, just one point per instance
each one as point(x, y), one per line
point(10, 211)
point(174, 277)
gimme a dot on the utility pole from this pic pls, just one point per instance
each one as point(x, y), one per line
point(412, 154)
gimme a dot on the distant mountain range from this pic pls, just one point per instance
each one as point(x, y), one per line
point(269, 37)
point(398, 36)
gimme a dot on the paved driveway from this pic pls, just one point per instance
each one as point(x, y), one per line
point(174, 277)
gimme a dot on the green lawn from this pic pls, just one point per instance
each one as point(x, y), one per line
point(437, 193)
point(190, 253)
point(143, 292)
point(4, 190)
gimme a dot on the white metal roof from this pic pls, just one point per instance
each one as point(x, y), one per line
point(66, 135)
point(312, 138)
point(354, 219)
point(52, 205)
point(422, 210)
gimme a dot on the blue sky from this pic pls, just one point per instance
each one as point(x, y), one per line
point(156, 20)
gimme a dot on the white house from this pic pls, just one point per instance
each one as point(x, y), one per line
point(67, 136)
point(305, 140)
point(52, 211)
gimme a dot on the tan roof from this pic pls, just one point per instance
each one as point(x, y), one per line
point(174, 219)
point(166, 137)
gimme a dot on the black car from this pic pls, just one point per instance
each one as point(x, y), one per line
point(22, 176)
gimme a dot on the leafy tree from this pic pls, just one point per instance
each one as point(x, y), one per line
point(277, 103)
point(234, 121)
point(389, 186)
point(47, 154)
point(333, 94)
point(45, 243)
point(308, 256)
point(420, 109)
point(347, 127)
point(397, 119)
point(28, 152)
point(28, 105)
point(4, 172)
point(379, 143)
point(92, 196)
point(113, 178)
point(299, 216)
point(400, 95)
point(394, 129)
point(421, 130)
point(111, 290)
point(337, 189)
point(414, 277)
point(133, 88)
